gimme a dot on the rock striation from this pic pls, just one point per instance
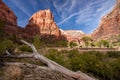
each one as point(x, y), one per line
point(42, 23)
point(110, 24)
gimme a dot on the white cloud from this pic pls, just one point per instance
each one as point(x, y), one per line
point(66, 9)
point(90, 13)
point(73, 4)
point(66, 19)
point(19, 5)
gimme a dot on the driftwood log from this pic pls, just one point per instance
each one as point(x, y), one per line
point(51, 64)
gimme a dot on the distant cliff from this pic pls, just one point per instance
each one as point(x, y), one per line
point(73, 35)
point(109, 25)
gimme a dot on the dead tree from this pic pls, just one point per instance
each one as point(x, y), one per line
point(51, 64)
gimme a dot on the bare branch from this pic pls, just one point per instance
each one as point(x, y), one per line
point(7, 52)
point(18, 56)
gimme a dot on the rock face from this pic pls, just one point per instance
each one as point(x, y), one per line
point(110, 24)
point(42, 23)
point(8, 20)
point(7, 14)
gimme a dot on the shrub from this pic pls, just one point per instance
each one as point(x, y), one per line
point(37, 42)
point(116, 69)
point(93, 62)
point(104, 43)
point(25, 48)
point(73, 44)
point(6, 45)
point(58, 57)
point(86, 40)
point(61, 43)
point(113, 54)
point(55, 55)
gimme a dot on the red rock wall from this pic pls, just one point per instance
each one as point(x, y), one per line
point(9, 19)
point(110, 24)
point(42, 23)
point(7, 14)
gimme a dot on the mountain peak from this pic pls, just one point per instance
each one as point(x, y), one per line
point(42, 23)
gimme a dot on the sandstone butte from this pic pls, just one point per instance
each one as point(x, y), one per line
point(109, 25)
point(42, 23)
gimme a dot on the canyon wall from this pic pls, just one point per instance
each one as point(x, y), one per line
point(8, 20)
point(109, 25)
point(7, 14)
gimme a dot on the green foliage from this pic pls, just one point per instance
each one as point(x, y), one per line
point(25, 48)
point(48, 41)
point(73, 44)
point(58, 57)
point(103, 43)
point(105, 66)
point(37, 42)
point(113, 54)
point(53, 41)
point(61, 43)
point(6, 45)
point(86, 40)
point(116, 69)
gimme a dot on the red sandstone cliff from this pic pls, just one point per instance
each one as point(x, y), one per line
point(8, 17)
point(7, 14)
point(42, 23)
point(110, 24)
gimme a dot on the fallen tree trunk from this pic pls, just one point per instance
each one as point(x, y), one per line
point(51, 64)
point(54, 66)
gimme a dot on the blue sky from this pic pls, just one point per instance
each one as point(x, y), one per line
point(82, 15)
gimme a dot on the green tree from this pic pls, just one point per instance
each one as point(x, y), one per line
point(73, 44)
point(118, 40)
point(103, 43)
point(6, 45)
point(61, 43)
point(25, 48)
point(87, 40)
point(37, 42)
